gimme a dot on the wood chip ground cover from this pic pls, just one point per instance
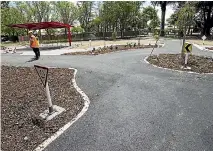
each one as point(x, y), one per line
point(23, 99)
point(198, 64)
point(109, 49)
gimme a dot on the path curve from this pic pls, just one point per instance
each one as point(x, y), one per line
point(135, 106)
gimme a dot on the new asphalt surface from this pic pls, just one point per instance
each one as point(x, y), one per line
point(135, 106)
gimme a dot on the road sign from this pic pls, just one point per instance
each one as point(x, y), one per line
point(204, 37)
point(42, 72)
point(187, 48)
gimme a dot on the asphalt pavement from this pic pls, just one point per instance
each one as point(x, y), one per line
point(135, 106)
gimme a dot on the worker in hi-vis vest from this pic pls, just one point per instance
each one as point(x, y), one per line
point(34, 44)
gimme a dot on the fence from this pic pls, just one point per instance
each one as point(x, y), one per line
point(106, 35)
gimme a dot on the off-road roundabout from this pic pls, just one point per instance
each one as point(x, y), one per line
point(195, 64)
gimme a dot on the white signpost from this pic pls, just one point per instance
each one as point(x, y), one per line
point(54, 110)
point(43, 73)
point(204, 38)
point(90, 43)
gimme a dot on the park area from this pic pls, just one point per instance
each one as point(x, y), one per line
point(144, 79)
point(198, 64)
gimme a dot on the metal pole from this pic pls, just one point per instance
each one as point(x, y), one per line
point(49, 99)
point(186, 58)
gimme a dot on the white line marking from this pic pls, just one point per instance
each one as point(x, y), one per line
point(43, 145)
point(145, 60)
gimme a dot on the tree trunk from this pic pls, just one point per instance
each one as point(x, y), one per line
point(40, 36)
point(121, 30)
point(105, 28)
point(206, 31)
point(65, 33)
point(163, 13)
point(184, 39)
point(188, 32)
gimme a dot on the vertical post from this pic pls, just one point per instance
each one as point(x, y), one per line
point(139, 41)
point(186, 58)
point(90, 43)
point(49, 98)
point(69, 36)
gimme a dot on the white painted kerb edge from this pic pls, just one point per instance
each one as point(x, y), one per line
point(145, 60)
point(65, 127)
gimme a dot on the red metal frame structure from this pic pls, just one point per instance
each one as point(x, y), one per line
point(44, 25)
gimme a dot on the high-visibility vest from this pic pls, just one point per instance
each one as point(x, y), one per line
point(34, 42)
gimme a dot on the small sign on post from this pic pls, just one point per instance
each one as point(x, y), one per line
point(43, 73)
point(187, 50)
point(204, 38)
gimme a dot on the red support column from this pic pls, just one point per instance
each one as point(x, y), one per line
point(69, 36)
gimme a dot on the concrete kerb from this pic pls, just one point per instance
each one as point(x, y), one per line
point(201, 48)
point(43, 145)
point(145, 60)
point(162, 45)
point(68, 50)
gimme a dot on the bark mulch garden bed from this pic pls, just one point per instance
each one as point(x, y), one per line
point(23, 99)
point(198, 64)
point(113, 48)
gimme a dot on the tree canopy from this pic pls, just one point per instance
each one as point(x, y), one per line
point(105, 16)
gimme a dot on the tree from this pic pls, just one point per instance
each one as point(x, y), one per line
point(5, 4)
point(185, 18)
point(151, 15)
point(163, 5)
point(121, 14)
point(205, 11)
point(77, 29)
point(95, 24)
point(10, 16)
point(67, 11)
point(173, 19)
point(85, 14)
point(125, 13)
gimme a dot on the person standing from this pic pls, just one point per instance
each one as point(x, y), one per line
point(34, 44)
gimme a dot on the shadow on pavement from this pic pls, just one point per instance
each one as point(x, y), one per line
point(31, 60)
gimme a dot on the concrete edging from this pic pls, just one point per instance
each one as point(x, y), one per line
point(43, 145)
point(145, 60)
point(162, 45)
point(201, 48)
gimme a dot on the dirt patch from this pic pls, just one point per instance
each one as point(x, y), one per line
point(23, 99)
point(198, 64)
point(113, 48)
